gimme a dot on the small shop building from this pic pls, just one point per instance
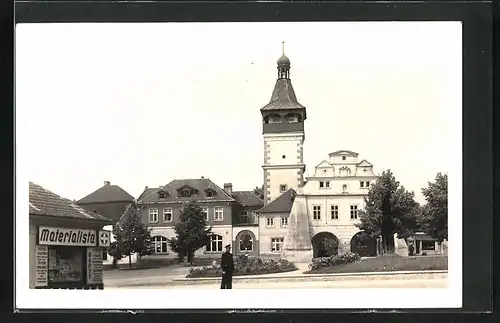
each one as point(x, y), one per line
point(425, 245)
point(67, 242)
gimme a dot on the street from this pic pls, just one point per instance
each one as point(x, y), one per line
point(404, 281)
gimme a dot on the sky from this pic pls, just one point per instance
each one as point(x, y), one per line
point(142, 104)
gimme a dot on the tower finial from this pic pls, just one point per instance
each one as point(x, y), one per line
point(283, 47)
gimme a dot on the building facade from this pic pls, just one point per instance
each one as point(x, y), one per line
point(230, 214)
point(66, 243)
point(299, 215)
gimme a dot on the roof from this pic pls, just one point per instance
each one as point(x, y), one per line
point(341, 152)
point(150, 195)
point(44, 202)
point(282, 204)
point(107, 193)
point(364, 162)
point(247, 198)
point(283, 97)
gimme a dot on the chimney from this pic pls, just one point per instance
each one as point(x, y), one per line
point(145, 188)
point(228, 187)
point(107, 183)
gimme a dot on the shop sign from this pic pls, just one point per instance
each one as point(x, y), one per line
point(42, 267)
point(104, 238)
point(94, 265)
point(66, 237)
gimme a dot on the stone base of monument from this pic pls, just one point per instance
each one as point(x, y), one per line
point(298, 256)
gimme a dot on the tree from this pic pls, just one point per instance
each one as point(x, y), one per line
point(259, 191)
point(132, 235)
point(191, 230)
point(389, 209)
point(434, 221)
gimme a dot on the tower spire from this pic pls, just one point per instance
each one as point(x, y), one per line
point(283, 47)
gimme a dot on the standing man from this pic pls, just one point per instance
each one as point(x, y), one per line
point(227, 266)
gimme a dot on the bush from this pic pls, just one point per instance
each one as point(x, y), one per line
point(245, 266)
point(336, 260)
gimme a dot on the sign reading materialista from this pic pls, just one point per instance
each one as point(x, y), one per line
point(66, 237)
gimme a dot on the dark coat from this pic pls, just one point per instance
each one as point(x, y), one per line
point(227, 263)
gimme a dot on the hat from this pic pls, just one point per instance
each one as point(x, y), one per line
point(228, 246)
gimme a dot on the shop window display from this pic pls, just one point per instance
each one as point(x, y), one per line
point(65, 264)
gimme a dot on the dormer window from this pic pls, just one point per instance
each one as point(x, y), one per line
point(210, 192)
point(162, 194)
point(186, 191)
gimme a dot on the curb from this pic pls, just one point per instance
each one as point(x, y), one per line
point(207, 280)
point(262, 277)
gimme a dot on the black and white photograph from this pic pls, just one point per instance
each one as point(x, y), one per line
point(159, 163)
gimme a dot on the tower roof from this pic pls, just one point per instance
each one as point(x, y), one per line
point(283, 61)
point(283, 97)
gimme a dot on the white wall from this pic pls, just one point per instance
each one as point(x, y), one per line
point(289, 177)
point(268, 232)
point(276, 146)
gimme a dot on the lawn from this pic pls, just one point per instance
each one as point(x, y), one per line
point(388, 263)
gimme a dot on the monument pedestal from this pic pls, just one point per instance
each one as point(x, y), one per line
point(298, 256)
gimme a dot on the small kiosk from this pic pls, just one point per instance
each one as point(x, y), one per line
point(66, 242)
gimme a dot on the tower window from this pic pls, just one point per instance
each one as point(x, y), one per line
point(283, 188)
point(361, 184)
point(283, 156)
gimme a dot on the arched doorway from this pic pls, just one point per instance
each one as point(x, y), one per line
point(325, 244)
point(246, 243)
point(364, 245)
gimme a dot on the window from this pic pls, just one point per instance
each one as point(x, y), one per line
point(210, 192)
point(321, 184)
point(162, 194)
point(270, 222)
point(186, 192)
point(277, 244)
point(167, 214)
point(327, 184)
point(282, 188)
point(283, 156)
point(204, 211)
point(317, 212)
point(428, 245)
point(65, 264)
point(215, 243)
point(354, 212)
point(244, 217)
point(284, 222)
point(334, 212)
point(368, 184)
point(105, 255)
point(344, 188)
point(246, 242)
point(159, 245)
point(361, 184)
point(153, 215)
point(218, 213)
